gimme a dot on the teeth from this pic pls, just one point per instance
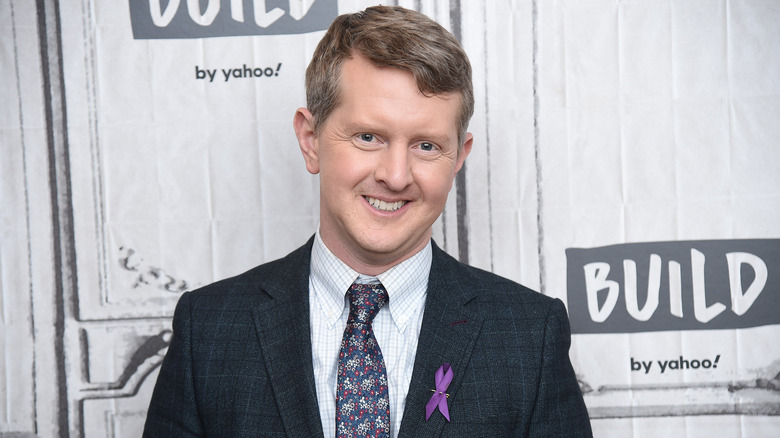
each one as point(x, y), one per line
point(385, 206)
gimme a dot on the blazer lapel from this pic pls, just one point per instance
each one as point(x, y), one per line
point(448, 333)
point(282, 323)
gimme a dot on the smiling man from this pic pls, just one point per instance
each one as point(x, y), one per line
point(369, 329)
point(387, 156)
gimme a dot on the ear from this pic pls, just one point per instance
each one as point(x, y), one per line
point(464, 151)
point(303, 122)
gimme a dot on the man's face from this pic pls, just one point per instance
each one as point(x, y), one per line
point(387, 156)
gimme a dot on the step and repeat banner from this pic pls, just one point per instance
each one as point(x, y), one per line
point(625, 161)
point(659, 207)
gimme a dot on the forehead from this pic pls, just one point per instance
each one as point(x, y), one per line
point(390, 96)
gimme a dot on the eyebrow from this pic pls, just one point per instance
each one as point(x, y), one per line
point(372, 128)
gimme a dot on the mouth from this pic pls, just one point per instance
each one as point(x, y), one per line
point(384, 206)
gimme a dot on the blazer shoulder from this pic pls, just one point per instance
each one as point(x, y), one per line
point(486, 286)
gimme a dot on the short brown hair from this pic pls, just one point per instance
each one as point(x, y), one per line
point(390, 36)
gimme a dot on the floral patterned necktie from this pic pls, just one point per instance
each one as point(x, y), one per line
point(362, 401)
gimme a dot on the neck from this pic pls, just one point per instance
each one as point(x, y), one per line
point(368, 263)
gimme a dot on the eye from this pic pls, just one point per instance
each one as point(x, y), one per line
point(368, 138)
point(427, 147)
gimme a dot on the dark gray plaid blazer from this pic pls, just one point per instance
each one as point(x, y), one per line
point(240, 364)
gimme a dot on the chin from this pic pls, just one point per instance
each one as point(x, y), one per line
point(380, 248)
point(389, 244)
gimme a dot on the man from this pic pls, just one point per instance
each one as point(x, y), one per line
point(369, 329)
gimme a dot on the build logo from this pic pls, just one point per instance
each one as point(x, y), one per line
point(684, 285)
point(168, 19)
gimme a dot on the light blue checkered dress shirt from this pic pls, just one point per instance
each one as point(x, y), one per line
point(396, 326)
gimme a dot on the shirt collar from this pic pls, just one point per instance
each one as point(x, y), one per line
point(406, 283)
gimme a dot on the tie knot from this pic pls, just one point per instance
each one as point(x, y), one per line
point(365, 300)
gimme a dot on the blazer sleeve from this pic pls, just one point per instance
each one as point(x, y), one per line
point(559, 409)
point(173, 410)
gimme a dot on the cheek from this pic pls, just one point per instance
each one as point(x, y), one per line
point(341, 170)
point(436, 185)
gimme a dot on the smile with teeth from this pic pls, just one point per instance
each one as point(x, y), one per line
point(384, 206)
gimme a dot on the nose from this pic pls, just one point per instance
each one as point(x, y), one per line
point(394, 167)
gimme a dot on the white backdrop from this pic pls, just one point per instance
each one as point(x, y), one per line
point(142, 158)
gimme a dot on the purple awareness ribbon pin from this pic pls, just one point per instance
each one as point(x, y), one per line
point(439, 398)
